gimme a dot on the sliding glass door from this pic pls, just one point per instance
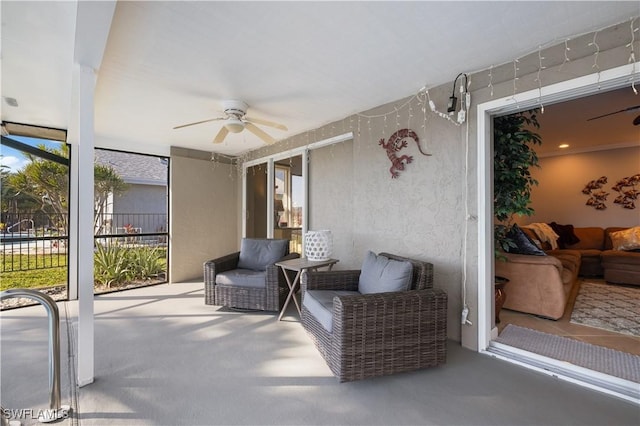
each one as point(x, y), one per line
point(274, 199)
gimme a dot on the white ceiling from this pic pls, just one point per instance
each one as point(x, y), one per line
point(303, 64)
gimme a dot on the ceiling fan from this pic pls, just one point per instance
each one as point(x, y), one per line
point(235, 121)
point(636, 121)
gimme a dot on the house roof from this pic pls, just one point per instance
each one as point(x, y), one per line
point(135, 168)
point(304, 64)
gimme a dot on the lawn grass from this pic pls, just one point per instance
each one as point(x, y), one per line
point(41, 277)
point(34, 278)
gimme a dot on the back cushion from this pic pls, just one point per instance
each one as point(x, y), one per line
point(590, 238)
point(608, 244)
point(380, 274)
point(257, 254)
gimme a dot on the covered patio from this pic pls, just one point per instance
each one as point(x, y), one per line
point(345, 78)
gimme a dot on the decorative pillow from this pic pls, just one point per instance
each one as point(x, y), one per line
point(523, 243)
point(628, 239)
point(380, 274)
point(566, 235)
point(257, 254)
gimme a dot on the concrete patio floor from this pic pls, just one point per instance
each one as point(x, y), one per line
point(164, 357)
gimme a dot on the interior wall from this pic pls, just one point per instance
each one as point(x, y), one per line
point(203, 213)
point(559, 197)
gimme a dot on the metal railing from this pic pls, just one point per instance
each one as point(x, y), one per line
point(56, 410)
point(35, 240)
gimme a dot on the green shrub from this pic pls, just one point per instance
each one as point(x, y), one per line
point(145, 262)
point(111, 265)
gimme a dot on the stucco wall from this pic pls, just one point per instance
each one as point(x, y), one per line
point(559, 197)
point(203, 214)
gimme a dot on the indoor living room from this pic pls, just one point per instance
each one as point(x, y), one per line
point(588, 188)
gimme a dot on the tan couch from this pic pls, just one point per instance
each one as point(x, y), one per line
point(600, 259)
point(540, 285)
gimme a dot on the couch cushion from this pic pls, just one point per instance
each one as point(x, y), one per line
point(613, 258)
point(380, 274)
point(524, 245)
point(319, 303)
point(566, 235)
point(257, 254)
point(627, 240)
point(590, 238)
point(242, 278)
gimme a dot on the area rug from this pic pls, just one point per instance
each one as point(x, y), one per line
point(608, 307)
point(597, 358)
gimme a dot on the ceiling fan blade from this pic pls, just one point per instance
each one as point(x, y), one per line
point(199, 122)
point(266, 123)
point(636, 121)
point(221, 135)
point(259, 133)
point(616, 112)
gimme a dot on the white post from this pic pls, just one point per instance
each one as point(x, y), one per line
point(81, 136)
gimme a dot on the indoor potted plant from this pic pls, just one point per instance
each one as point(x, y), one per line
point(514, 155)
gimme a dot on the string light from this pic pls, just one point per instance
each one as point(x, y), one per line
point(595, 56)
point(538, 79)
point(567, 49)
point(632, 56)
point(491, 79)
point(515, 79)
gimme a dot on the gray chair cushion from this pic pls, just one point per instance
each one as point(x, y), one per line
point(242, 278)
point(380, 274)
point(319, 303)
point(257, 254)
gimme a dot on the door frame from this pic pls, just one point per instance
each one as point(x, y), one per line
point(570, 89)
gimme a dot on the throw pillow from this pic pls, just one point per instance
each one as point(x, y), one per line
point(628, 239)
point(566, 235)
point(257, 254)
point(523, 243)
point(380, 274)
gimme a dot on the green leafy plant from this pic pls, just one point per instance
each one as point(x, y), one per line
point(111, 265)
point(514, 156)
point(145, 262)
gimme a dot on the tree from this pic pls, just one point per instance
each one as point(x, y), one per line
point(106, 182)
point(46, 183)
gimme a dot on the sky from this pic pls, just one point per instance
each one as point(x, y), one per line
point(14, 159)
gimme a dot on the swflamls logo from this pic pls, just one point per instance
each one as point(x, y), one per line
point(43, 415)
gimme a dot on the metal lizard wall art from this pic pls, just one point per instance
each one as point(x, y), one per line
point(396, 142)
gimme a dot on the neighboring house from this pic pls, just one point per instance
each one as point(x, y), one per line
point(142, 207)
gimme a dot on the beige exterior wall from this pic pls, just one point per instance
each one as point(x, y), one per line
point(203, 213)
point(559, 198)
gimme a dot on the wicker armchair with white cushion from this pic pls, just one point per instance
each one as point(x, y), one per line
point(384, 319)
point(249, 279)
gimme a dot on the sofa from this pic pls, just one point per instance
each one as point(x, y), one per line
point(541, 284)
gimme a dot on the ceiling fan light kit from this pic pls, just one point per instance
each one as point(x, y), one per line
point(235, 122)
point(234, 125)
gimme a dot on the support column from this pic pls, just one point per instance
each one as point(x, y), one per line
point(81, 136)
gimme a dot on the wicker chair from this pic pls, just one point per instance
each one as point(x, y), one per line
point(382, 333)
point(269, 297)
